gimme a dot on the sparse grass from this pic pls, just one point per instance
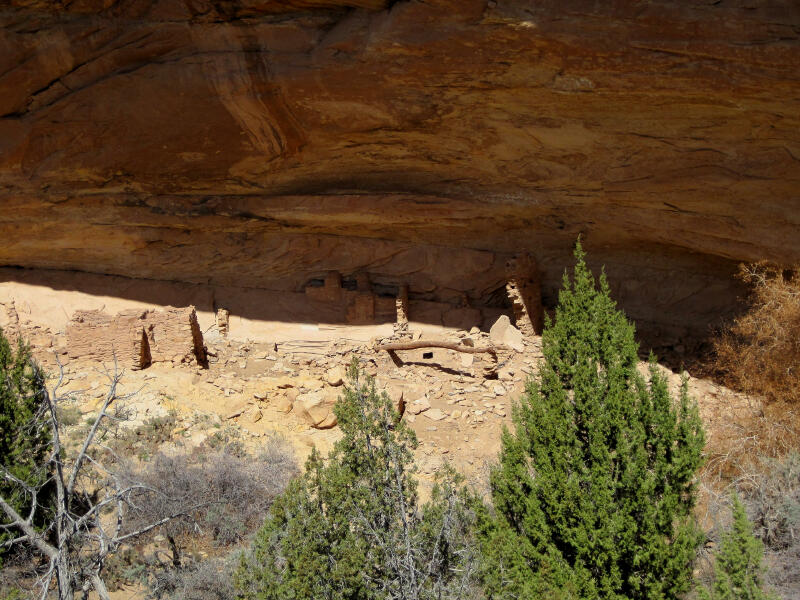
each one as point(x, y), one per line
point(69, 416)
point(11, 594)
point(226, 436)
point(143, 441)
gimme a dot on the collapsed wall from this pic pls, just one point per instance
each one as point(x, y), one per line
point(36, 335)
point(524, 290)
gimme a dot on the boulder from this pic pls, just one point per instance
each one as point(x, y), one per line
point(397, 393)
point(285, 403)
point(335, 376)
point(504, 333)
point(434, 414)
point(418, 406)
point(316, 408)
point(311, 385)
point(402, 393)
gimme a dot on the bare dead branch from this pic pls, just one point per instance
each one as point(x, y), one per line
point(415, 345)
point(82, 541)
point(110, 397)
point(28, 529)
point(143, 530)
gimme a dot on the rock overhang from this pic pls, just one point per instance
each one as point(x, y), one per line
point(423, 143)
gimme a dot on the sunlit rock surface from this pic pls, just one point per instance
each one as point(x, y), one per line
point(262, 144)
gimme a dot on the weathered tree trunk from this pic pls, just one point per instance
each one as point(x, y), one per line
point(64, 574)
point(100, 587)
point(489, 370)
point(394, 346)
point(176, 553)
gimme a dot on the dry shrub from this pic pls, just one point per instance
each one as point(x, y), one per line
point(754, 448)
point(771, 492)
point(211, 579)
point(759, 355)
point(760, 352)
point(223, 493)
point(751, 434)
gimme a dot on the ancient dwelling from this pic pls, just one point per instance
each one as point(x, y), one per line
point(401, 310)
point(39, 338)
point(223, 317)
point(137, 338)
point(361, 305)
point(524, 290)
point(9, 321)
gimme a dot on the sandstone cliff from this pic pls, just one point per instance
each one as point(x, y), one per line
point(261, 144)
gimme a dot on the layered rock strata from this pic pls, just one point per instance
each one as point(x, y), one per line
point(259, 145)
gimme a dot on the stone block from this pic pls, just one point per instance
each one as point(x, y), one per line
point(316, 408)
point(504, 333)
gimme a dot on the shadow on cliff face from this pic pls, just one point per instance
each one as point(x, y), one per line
point(675, 299)
point(249, 160)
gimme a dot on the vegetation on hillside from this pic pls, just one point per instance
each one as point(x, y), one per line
point(756, 455)
point(352, 527)
point(738, 572)
point(24, 437)
point(759, 353)
point(74, 507)
point(592, 496)
point(594, 490)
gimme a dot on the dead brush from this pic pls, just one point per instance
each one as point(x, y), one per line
point(738, 447)
point(759, 353)
point(753, 449)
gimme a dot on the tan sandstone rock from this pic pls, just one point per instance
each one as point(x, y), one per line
point(504, 333)
point(285, 403)
point(335, 376)
point(316, 408)
point(243, 155)
point(434, 414)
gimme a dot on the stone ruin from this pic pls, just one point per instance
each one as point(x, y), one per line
point(360, 305)
point(137, 338)
point(524, 290)
point(39, 338)
point(401, 310)
point(223, 317)
point(9, 321)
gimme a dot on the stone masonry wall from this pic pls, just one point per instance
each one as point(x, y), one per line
point(137, 338)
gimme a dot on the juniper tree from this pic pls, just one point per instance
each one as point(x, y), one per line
point(24, 440)
point(594, 488)
point(351, 526)
point(83, 522)
point(737, 568)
